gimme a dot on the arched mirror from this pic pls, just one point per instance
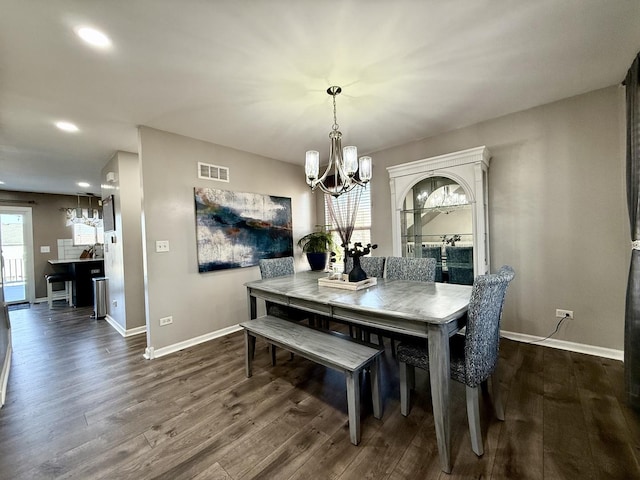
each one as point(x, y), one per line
point(436, 221)
point(440, 211)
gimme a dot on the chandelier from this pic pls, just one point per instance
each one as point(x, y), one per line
point(444, 199)
point(344, 170)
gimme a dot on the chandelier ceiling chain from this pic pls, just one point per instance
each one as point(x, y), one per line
point(333, 91)
point(348, 170)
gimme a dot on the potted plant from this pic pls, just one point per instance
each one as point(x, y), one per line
point(318, 246)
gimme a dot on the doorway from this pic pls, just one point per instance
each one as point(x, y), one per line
point(16, 245)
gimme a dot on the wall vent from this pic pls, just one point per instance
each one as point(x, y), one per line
point(213, 172)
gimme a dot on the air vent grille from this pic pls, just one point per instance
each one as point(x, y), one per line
point(213, 172)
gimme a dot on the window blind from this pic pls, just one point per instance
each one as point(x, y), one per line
point(343, 203)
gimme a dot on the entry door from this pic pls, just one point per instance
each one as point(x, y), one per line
point(16, 243)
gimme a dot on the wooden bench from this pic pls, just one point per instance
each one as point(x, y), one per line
point(336, 352)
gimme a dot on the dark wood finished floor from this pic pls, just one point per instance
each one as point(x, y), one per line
point(83, 403)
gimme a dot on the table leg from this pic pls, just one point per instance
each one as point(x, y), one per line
point(439, 372)
point(253, 308)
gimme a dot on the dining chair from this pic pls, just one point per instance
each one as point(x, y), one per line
point(407, 268)
point(373, 266)
point(460, 264)
point(279, 267)
point(474, 355)
point(276, 267)
point(434, 252)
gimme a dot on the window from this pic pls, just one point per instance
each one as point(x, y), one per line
point(86, 234)
point(344, 204)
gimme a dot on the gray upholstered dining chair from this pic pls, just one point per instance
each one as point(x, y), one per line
point(373, 266)
point(460, 264)
point(434, 252)
point(278, 267)
point(407, 268)
point(474, 356)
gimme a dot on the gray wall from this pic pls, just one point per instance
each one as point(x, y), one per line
point(49, 221)
point(201, 303)
point(557, 211)
point(123, 248)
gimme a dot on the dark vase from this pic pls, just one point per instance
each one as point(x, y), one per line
point(357, 274)
point(317, 261)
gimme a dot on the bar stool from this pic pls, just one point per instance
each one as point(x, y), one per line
point(63, 294)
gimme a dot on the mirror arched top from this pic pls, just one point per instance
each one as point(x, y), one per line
point(441, 204)
point(469, 192)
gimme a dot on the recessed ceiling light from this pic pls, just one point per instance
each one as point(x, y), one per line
point(67, 126)
point(93, 37)
point(83, 184)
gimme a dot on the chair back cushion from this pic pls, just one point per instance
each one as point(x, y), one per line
point(460, 256)
point(276, 267)
point(461, 275)
point(482, 338)
point(407, 268)
point(373, 266)
point(434, 252)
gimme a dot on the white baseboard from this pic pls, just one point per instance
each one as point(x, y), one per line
point(41, 300)
point(151, 352)
point(125, 333)
point(4, 374)
point(564, 345)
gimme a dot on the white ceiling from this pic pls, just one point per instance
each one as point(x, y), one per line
point(252, 74)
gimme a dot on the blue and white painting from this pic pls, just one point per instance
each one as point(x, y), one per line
point(236, 229)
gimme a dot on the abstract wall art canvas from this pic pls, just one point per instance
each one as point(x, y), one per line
point(236, 229)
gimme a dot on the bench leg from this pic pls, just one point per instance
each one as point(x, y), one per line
point(272, 351)
point(50, 294)
point(250, 347)
point(376, 394)
point(353, 405)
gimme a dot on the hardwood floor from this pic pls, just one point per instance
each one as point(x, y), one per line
point(83, 403)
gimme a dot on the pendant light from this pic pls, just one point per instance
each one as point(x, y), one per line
point(348, 171)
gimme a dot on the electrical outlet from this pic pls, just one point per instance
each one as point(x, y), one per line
point(564, 313)
point(162, 246)
point(114, 303)
point(166, 321)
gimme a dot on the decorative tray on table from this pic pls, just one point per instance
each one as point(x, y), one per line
point(346, 284)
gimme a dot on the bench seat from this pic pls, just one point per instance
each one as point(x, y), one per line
point(332, 351)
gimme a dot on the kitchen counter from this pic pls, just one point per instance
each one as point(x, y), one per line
point(83, 270)
point(79, 260)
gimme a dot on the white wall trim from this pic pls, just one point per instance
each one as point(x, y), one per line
point(151, 353)
point(41, 300)
point(125, 333)
point(564, 345)
point(4, 375)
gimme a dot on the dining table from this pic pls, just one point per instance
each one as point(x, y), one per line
point(430, 310)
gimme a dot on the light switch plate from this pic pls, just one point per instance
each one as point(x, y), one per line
point(45, 249)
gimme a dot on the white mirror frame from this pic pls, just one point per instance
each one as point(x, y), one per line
point(469, 168)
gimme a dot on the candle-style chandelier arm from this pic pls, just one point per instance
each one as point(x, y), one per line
point(344, 163)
